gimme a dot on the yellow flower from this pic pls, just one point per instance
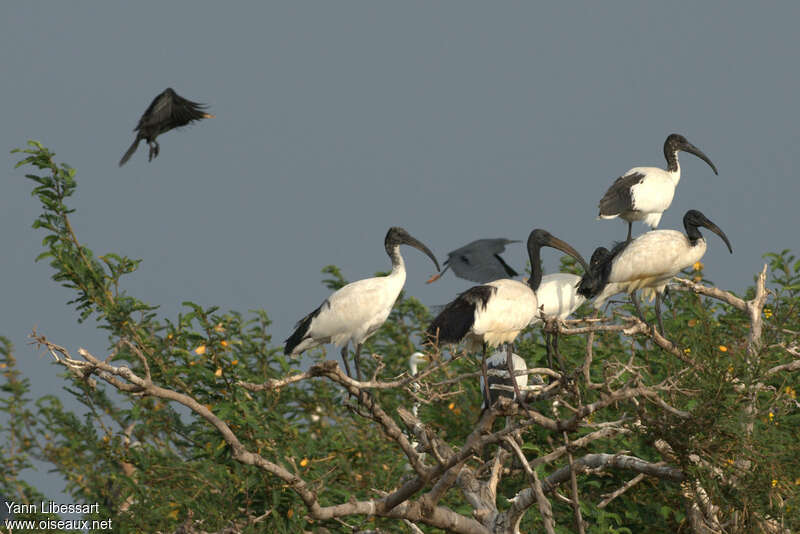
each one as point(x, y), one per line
point(223, 343)
point(235, 362)
point(219, 328)
point(771, 416)
point(218, 372)
point(723, 348)
point(774, 482)
point(698, 266)
point(451, 405)
point(791, 392)
point(200, 350)
point(2, 365)
point(304, 462)
point(289, 513)
point(687, 350)
point(767, 312)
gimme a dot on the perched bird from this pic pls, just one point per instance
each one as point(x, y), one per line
point(167, 111)
point(649, 262)
point(356, 311)
point(495, 313)
point(479, 261)
point(644, 193)
point(497, 374)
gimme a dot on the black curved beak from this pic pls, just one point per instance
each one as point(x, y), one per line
point(716, 229)
point(567, 249)
point(691, 149)
point(417, 244)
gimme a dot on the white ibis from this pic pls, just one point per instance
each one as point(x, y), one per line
point(649, 262)
point(497, 374)
point(479, 261)
point(495, 313)
point(356, 311)
point(644, 193)
point(167, 111)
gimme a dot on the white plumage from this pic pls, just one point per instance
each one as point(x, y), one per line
point(652, 259)
point(558, 296)
point(357, 310)
point(644, 193)
point(497, 374)
point(495, 313)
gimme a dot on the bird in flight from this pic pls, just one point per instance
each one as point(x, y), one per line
point(167, 111)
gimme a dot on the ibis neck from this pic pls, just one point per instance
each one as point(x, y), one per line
point(398, 265)
point(673, 167)
point(536, 267)
point(693, 233)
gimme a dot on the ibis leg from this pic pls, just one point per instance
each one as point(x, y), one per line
point(486, 397)
point(658, 313)
point(344, 359)
point(357, 359)
point(513, 375)
point(635, 301)
point(547, 344)
point(630, 229)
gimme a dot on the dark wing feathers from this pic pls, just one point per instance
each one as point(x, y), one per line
point(618, 198)
point(508, 269)
point(455, 321)
point(480, 261)
point(301, 329)
point(596, 279)
point(167, 111)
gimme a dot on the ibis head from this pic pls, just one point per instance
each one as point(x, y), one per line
point(693, 219)
point(676, 142)
point(399, 236)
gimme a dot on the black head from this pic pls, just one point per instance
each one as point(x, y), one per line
point(595, 279)
point(693, 219)
point(542, 238)
point(677, 142)
point(399, 236)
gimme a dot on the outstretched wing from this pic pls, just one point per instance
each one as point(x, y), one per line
point(480, 261)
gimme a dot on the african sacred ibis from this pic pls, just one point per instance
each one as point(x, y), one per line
point(167, 111)
point(495, 313)
point(357, 310)
point(649, 262)
point(644, 193)
point(479, 261)
point(497, 374)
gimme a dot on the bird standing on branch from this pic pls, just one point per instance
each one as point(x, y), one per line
point(644, 193)
point(166, 112)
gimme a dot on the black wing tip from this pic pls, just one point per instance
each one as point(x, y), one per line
point(300, 331)
point(456, 319)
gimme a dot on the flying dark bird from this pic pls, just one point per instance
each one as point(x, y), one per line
point(479, 261)
point(167, 111)
point(356, 311)
point(650, 261)
point(644, 193)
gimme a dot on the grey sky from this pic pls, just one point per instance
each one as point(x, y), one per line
point(456, 120)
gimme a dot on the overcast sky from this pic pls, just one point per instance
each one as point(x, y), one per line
point(456, 120)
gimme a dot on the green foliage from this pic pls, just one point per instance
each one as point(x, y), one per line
point(155, 465)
